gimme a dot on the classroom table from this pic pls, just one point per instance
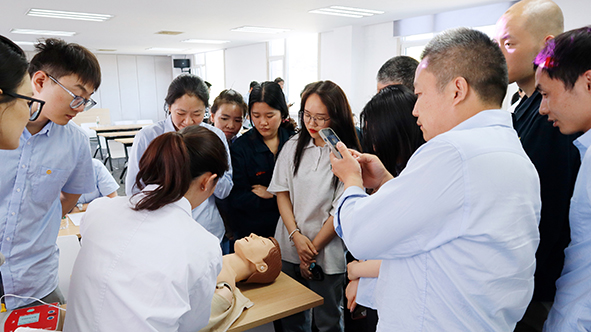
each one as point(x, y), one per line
point(282, 298)
point(113, 136)
point(127, 142)
point(108, 129)
point(67, 227)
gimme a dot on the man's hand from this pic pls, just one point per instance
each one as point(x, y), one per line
point(346, 169)
point(373, 171)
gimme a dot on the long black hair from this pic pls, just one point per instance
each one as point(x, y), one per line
point(271, 94)
point(13, 67)
point(339, 111)
point(390, 131)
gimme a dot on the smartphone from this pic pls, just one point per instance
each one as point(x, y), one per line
point(329, 136)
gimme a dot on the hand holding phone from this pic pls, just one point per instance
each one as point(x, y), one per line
point(331, 138)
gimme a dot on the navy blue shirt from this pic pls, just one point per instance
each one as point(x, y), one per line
point(253, 163)
point(557, 161)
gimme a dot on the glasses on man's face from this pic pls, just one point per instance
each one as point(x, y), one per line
point(77, 101)
point(319, 120)
point(35, 105)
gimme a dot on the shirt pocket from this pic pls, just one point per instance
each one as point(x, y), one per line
point(47, 184)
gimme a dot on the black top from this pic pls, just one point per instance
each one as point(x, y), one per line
point(557, 161)
point(253, 163)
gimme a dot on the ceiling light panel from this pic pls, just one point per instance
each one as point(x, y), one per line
point(66, 15)
point(259, 29)
point(346, 11)
point(205, 41)
point(165, 49)
point(43, 32)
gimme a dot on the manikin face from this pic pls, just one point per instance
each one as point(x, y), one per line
point(265, 119)
point(57, 100)
point(15, 116)
point(432, 106)
point(569, 110)
point(253, 248)
point(228, 118)
point(187, 111)
point(319, 117)
point(518, 45)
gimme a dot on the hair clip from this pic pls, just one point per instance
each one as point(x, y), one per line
point(549, 63)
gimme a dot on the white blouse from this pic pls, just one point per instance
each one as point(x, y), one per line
point(142, 270)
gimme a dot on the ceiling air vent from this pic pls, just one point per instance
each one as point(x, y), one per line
point(170, 33)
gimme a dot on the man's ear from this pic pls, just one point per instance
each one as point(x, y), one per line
point(38, 81)
point(548, 37)
point(460, 89)
point(587, 79)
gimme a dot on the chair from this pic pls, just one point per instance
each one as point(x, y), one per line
point(69, 246)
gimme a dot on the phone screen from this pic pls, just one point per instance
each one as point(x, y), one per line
point(331, 138)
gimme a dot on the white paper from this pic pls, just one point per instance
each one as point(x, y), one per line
point(76, 217)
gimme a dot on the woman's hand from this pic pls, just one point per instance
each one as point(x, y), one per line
point(305, 271)
point(306, 249)
point(351, 269)
point(261, 191)
point(351, 294)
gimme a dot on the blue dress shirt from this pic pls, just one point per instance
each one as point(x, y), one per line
point(457, 231)
point(571, 310)
point(104, 184)
point(207, 213)
point(55, 159)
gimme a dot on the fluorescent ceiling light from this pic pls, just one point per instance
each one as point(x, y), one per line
point(166, 49)
point(205, 41)
point(346, 11)
point(259, 29)
point(43, 32)
point(24, 43)
point(68, 15)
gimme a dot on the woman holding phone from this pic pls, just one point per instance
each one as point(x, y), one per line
point(17, 107)
point(307, 193)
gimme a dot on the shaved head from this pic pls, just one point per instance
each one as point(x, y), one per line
point(540, 17)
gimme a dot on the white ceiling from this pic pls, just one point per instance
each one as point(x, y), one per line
point(133, 28)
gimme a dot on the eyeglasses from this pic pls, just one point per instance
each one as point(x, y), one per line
point(77, 101)
point(35, 105)
point(319, 120)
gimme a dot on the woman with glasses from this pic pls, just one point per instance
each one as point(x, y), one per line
point(227, 112)
point(307, 192)
point(253, 209)
point(16, 105)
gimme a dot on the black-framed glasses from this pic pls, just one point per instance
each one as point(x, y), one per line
point(78, 100)
point(319, 120)
point(35, 105)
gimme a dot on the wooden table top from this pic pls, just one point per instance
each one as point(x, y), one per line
point(125, 141)
point(102, 129)
point(282, 298)
point(119, 133)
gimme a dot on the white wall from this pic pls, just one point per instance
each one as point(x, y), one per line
point(245, 64)
point(576, 13)
point(133, 86)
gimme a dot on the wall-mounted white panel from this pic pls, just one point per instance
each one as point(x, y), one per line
point(163, 70)
point(146, 72)
point(128, 84)
point(110, 96)
point(245, 64)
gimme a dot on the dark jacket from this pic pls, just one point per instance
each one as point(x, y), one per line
point(253, 163)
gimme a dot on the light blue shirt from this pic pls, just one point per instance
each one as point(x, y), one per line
point(53, 160)
point(104, 183)
point(207, 213)
point(571, 310)
point(457, 231)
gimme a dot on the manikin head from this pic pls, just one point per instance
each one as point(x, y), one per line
point(264, 253)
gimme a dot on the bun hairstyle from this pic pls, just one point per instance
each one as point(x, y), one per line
point(173, 160)
point(273, 261)
point(271, 94)
point(186, 84)
point(229, 96)
point(13, 67)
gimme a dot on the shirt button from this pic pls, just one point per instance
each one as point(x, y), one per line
point(18, 190)
point(28, 143)
point(7, 239)
point(23, 166)
point(13, 213)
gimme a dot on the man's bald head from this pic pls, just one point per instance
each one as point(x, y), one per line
point(540, 18)
point(522, 32)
